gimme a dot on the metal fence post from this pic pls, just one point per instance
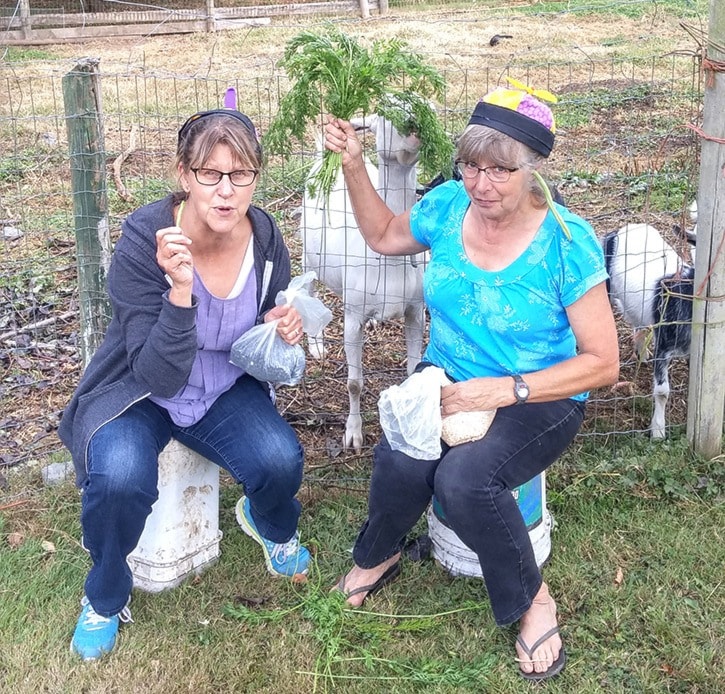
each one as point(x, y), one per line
point(82, 100)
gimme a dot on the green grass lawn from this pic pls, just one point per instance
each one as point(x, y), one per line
point(637, 569)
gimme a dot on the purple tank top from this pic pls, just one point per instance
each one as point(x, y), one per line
point(219, 322)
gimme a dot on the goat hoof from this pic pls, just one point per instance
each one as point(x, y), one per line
point(353, 441)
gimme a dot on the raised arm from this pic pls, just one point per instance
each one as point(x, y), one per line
point(382, 230)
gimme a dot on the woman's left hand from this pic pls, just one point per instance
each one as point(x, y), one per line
point(476, 394)
point(289, 327)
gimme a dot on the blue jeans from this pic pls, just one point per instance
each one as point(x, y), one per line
point(473, 484)
point(242, 432)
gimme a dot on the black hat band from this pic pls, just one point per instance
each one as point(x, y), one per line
point(516, 125)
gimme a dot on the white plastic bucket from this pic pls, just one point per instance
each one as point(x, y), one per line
point(182, 535)
point(455, 556)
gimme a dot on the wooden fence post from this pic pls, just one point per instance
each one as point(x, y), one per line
point(364, 9)
point(210, 16)
point(82, 100)
point(707, 378)
point(26, 21)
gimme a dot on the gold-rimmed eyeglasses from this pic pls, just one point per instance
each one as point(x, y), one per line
point(496, 174)
point(211, 177)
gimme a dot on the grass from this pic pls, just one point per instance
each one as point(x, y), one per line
point(636, 566)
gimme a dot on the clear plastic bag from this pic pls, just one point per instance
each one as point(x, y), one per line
point(315, 315)
point(262, 353)
point(463, 427)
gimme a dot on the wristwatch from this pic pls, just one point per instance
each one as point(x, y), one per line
point(521, 390)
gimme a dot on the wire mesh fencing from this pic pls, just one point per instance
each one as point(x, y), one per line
point(623, 154)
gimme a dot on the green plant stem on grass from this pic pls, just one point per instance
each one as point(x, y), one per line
point(338, 629)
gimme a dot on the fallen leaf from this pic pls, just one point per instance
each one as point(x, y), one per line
point(668, 669)
point(48, 546)
point(619, 577)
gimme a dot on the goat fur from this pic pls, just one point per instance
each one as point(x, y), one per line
point(651, 285)
point(373, 287)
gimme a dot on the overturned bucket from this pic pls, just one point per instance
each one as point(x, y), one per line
point(181, 537)
point(460, 560)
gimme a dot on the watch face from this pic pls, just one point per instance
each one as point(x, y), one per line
point(521, 390)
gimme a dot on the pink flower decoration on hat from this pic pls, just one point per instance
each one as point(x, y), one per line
point(534, 109)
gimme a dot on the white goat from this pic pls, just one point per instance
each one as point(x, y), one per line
point(373, 287)
point(652, 287)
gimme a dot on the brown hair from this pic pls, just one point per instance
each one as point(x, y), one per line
point(198, 138)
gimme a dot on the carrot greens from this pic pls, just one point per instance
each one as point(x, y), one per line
point(333, 73)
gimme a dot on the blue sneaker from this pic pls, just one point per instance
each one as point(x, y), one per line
point(282, 559)
point(96, 635)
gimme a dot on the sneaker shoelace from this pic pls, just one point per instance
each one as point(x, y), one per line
point(281, 552)
point(93, 619)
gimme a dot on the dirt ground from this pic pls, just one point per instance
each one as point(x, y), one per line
point(452, 39)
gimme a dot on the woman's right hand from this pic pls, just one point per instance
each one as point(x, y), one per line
point(175, 259)
point(341, 137)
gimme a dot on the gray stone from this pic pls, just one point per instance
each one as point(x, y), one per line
point(57, 473)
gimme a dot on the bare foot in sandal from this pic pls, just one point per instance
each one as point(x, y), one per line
point(539, 647)
point(359, 583)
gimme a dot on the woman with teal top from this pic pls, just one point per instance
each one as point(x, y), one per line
point(521, 323)
point(190, 274)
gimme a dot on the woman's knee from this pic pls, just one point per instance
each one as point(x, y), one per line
point(280, 468)
point(462, 484)
point(122, 472)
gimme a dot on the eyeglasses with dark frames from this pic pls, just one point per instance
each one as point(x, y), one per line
point(211, 177)
point(496, 174)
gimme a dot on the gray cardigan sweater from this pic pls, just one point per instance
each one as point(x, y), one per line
point(150, 344)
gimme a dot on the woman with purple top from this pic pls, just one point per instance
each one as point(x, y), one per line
point(521, 322)
point(189, 274)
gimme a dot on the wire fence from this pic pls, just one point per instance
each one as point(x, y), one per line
point(623, 154)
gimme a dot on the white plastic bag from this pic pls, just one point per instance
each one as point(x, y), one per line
point(262, 353)
point(315, 315)
point(410, 416)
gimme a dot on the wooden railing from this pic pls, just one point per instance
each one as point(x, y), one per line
point(25, 28)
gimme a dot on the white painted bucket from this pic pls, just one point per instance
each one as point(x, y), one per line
point(459, 560)
point(182, 535)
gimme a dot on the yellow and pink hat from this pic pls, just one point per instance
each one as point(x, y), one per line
point(519, 113)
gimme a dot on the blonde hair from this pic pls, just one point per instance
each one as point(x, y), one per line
point(480, 143)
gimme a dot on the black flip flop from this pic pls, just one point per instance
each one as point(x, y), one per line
point(391, 573)
point(556, 667)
